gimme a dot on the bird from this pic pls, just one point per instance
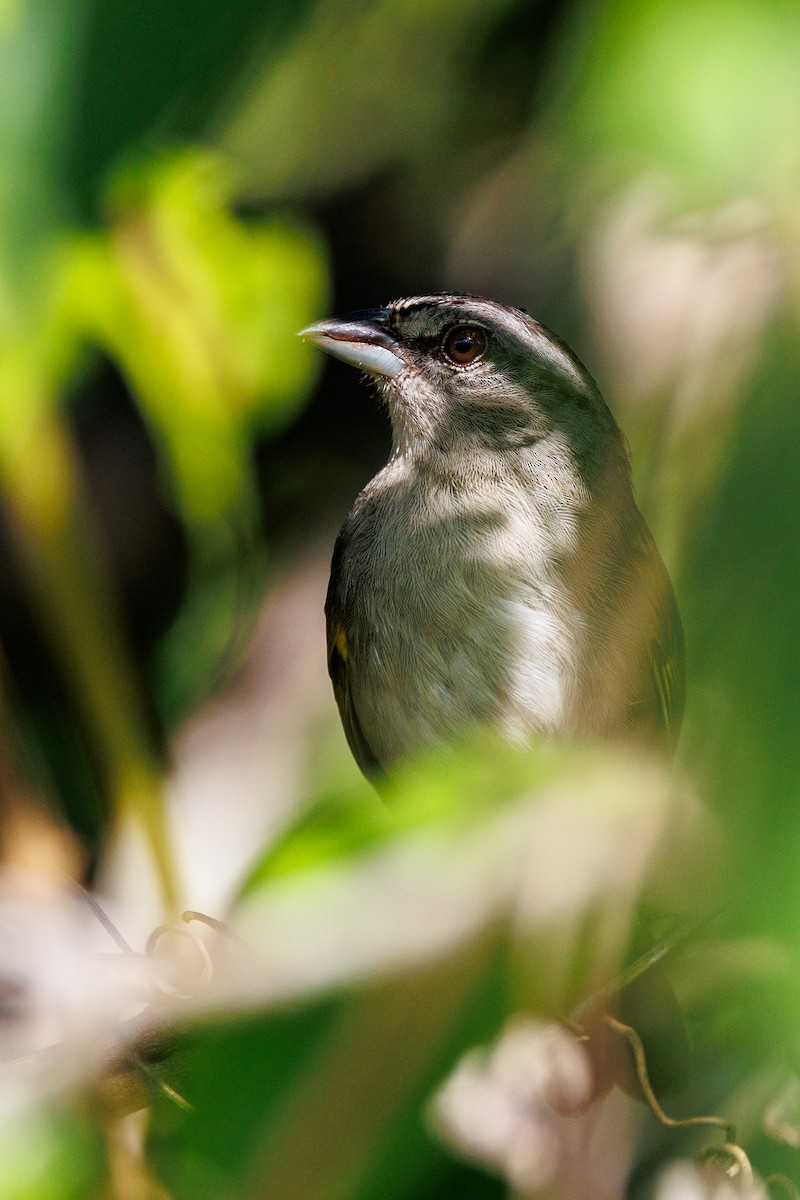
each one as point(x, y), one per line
point(496, 572)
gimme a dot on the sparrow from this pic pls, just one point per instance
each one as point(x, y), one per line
point(497, 571)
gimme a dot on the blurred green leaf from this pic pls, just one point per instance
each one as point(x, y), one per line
point(742, 597)
point(46, 1155)
point(201, 312)
point(326, 1100)
point(233, 1075)
point(160, 71)
point(455, 792)
point(708, 91)
point(38, 43)
point(343, 126)
point(84, 82)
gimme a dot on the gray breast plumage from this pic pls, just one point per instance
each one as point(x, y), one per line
point(497, 571)
point(465, 599)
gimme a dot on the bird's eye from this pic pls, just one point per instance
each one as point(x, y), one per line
point(464, 344)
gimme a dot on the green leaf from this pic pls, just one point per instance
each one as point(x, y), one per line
point(455, 791)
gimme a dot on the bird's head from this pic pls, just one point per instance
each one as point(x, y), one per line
point(460, 372)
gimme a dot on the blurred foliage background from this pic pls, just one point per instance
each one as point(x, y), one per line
point(182, 187)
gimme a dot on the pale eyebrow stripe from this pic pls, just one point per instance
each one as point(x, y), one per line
point(559, 360)
point(548, 350)
point(517, 324)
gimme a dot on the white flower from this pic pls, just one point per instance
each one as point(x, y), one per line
point(519, 1110)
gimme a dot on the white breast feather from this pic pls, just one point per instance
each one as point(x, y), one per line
point(540, 685)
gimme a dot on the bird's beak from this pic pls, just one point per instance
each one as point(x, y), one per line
point(361, 339)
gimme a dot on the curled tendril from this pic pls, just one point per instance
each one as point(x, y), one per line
point(133, 1057)
point(640, 1059)
point(219, 927)
point(205, 967)
point(188, 983)
point(729, 1161)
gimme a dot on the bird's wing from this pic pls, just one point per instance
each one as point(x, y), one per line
point(338, 658)
point(667, 674)
point(339, 669)
point(658, 711)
